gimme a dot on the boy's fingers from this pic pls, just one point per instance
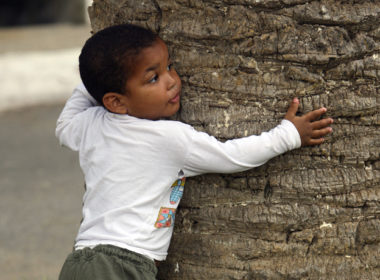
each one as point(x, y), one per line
point(293, 108)
point(313, 142)
point(321, 132)
point(322, 123)
point(313, 115)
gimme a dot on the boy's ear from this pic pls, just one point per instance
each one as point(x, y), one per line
point(115, 102)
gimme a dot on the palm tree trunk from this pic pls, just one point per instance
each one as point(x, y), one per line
point(312, 213)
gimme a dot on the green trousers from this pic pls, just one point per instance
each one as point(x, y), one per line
point(106, 262)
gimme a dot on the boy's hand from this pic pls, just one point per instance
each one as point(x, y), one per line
point(310, 128)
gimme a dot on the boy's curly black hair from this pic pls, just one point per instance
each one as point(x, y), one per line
point(107, 58)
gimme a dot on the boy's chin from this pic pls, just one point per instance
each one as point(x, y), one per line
point(173, 115)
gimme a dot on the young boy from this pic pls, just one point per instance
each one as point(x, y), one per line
point(131, 157)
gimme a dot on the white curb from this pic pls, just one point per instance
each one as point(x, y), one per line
point(33, 78)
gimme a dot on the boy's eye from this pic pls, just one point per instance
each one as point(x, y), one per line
point(170, 66)
point(154, 79)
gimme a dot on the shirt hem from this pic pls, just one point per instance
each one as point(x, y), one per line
point(145, 253)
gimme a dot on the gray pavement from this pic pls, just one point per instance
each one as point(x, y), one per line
point(41, 189)
point(48, 37)
point(41, 185)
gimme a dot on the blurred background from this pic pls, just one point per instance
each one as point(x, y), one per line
point(41, 185)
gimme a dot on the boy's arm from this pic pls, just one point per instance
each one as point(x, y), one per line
point(208, 155)
point(70, 121)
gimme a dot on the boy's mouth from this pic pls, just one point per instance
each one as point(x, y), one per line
point(175, 99)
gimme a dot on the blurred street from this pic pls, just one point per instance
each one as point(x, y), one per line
point(41, 184)
point(39, 64)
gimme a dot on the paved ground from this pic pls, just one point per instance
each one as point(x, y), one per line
point(41, 185)
point(42, 37)
point(41, 188)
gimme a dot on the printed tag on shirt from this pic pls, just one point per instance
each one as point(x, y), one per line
point(177, 191)
point(165, 218)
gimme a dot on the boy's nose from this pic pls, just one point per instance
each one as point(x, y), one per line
point(171, 81)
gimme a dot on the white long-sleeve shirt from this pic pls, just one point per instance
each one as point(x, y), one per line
point(130, 165)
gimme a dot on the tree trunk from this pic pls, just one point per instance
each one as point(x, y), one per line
point(312, 213)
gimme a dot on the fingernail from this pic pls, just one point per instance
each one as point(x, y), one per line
point(295, 100)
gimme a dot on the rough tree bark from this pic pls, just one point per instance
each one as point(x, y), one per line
point(312, 213)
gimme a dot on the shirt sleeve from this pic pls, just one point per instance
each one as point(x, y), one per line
point(208, 155)
point(70, 123)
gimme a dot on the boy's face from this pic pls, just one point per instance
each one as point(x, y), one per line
point(153, 90)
